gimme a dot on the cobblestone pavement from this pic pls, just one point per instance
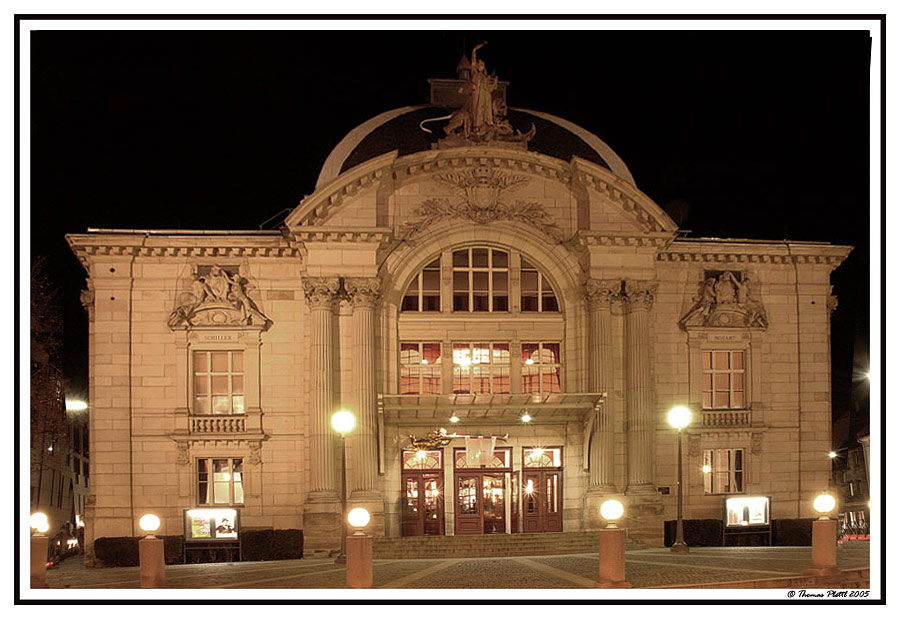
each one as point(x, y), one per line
point(656, 567)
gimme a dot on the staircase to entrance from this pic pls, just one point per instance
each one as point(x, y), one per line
point(497, 545)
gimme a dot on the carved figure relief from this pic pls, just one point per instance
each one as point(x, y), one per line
point(480, 191)
point(726, 299)
point(482, 117)
point(217, 297)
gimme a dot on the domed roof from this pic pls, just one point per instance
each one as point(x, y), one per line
point(402, 130)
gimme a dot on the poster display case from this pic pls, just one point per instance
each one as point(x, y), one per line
point(747, 515)
point(212, 532)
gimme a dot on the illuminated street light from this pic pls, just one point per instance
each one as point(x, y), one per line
point(611, 510)
point(824, 504)
point(832, 455)
point(358, 518)
point(40, 522)
point(74, 406)
point(679, 418)
point(149, 523)
point(343, 422)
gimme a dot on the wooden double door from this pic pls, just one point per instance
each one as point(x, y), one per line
point(541, 501)
point(423, 504)
point(481, 503)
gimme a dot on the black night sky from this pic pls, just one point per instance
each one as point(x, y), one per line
point(737, 134)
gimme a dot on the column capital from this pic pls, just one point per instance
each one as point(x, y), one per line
point(640, 294)
point(363, 291)
point(601, 293)
point(320, 291)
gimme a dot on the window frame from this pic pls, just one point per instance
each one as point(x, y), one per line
point(420, 378)
point(730, 372)
point(209, 373)
point(711, 485)
point(211, 482)
point(539, 365)
point(493, 375)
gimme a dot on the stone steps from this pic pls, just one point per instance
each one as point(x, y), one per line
point(497, 545)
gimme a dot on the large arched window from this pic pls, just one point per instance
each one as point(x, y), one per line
point(484, 279)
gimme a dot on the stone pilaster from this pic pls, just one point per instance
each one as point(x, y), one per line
point(600, 295)
point(322, 510)
point(640, 422)
point(320, 295)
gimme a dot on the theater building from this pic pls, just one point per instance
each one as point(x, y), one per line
point(506, 314)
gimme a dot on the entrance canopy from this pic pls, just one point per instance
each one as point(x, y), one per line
point(502, 409)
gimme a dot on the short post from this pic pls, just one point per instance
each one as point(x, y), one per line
point(612, 549)
point(359, 552)
point(38, 561)
point(40, 524)
point(152, 554)
point(824, 542)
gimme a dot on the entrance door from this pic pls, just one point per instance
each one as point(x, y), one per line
point(423, 505)
point(541, 501)
point(480, 503)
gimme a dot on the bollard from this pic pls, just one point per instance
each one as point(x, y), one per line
point(153, 563)
point(39, 562)
point(824, 550)
point(359, 561)
point(612, 560)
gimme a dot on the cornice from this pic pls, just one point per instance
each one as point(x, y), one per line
point(724, 251)
point(590, 238)
point(325, 234)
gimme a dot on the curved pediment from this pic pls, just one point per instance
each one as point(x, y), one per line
point(482, 185)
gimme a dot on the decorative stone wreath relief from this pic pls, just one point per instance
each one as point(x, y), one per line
point(218, 296)
point(480, 192)
point(726, 299)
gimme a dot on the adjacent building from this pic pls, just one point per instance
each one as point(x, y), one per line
point(508, 317)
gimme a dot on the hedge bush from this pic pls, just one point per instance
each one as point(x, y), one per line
point(706, 532)
point(123, 551)
point(272, 544)
point(792, 532)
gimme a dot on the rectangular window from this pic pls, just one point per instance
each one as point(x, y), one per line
point(481, 367)
point(723, 471)
point(723, 379)
point(218, 382)
point(541, 368)
point(420, 367)
point(220, 481)
point(480, 280)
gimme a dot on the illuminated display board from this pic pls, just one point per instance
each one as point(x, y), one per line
point(746, 511)
point(211, 523)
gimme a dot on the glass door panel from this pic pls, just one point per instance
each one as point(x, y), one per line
point(411, 516)
point(494, 503)
point(433, 504)
point(468, 504)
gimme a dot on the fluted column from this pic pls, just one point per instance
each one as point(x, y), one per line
point(640, 423)
point(320, 295)
point(364, 294)
point(600, 295)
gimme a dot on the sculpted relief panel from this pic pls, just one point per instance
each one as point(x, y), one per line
point(482, 199)
point(726, 299)
point(217, 296)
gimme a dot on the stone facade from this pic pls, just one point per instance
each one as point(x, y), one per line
point(315, 311)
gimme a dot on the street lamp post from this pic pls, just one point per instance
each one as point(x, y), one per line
point(824, 542)
point(343, 422)
point(39, 527)
point(679, 418)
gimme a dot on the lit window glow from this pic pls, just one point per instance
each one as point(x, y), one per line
point(76, 405)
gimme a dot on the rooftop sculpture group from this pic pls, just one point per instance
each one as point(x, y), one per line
point(726, 300)
point(482, 117)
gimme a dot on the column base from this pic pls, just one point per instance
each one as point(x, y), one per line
point(680, 548)
point(322, 525)
point(641, 489)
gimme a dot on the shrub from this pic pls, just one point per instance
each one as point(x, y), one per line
point(123, 551)
point(271, 544)
point(792, 532)
point(706, 532)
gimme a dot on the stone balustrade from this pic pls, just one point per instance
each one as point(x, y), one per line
point(218, 424)
point(726, 419)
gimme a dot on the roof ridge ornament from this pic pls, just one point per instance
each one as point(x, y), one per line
point(482, 118)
